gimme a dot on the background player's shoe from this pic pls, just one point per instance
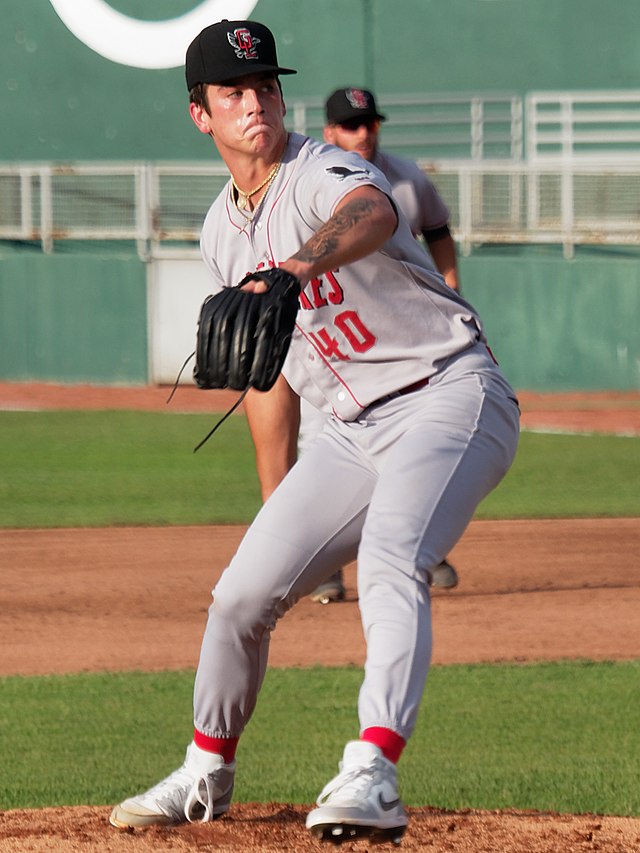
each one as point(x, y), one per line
point(200, 790)
point(331, 590)
point(444, 576)
point(361, 800)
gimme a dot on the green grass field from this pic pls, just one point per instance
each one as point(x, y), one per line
point(562, 736)
point(60, 469)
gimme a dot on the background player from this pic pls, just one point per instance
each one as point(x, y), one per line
point(353, 123)
point(424, 426)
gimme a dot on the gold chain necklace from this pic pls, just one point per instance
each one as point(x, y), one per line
point(244, 198)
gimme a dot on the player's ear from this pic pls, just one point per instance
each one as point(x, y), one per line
point(200, 117)
point(328, 134)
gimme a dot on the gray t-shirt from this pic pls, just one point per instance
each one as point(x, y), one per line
point(414, 193)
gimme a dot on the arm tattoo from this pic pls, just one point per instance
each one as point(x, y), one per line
point(326, 239)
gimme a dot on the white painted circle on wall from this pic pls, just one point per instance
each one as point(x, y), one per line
point(144, 44)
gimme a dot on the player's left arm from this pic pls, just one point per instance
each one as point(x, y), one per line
point(274, 419)
point(362, 222)
point(443, 251)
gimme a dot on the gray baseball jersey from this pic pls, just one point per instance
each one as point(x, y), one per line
point(423, 207)
point(391, 308)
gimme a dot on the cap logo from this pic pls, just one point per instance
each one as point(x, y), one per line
point(357, 99)
point(244, 43)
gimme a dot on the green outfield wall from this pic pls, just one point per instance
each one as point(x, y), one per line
point(62, 100)
point(553, 324)
point(560, 325)
point(89, 315)
point(73, 318)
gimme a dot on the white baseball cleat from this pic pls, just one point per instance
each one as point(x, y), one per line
point(361, 800)
point(444, 576)
point(200, 790)
point(331, 590)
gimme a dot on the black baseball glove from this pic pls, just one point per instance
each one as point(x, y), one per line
point(243, 337)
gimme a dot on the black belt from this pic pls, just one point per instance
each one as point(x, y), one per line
point(415, 386)
point(408, 389)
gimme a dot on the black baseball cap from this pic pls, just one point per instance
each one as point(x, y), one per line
point(346, 104)
point(231, 49)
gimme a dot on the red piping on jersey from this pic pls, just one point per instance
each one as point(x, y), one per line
point(230, 218)
point(304, 335)
point(328, 366)
point(494, 359)
point(271, 209)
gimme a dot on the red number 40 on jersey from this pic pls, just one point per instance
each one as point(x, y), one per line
point(348, 323)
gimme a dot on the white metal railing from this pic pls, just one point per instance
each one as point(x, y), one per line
point(579, 182)
point(583, 124)
point(470, 126)
point(161, 206)
point(569, 204)
point(80, 201)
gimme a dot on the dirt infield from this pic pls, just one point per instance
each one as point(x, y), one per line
point(529, 591)
point(606, 411)
point(274, 828)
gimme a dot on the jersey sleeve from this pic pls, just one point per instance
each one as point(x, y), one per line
point(331, 176)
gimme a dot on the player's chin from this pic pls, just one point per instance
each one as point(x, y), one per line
point(262, 141)
point(365, 152)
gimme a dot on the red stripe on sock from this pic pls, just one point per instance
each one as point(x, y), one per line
point(224, 746)
point(387, 740)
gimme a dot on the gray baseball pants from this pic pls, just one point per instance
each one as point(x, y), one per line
point(394, 489)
